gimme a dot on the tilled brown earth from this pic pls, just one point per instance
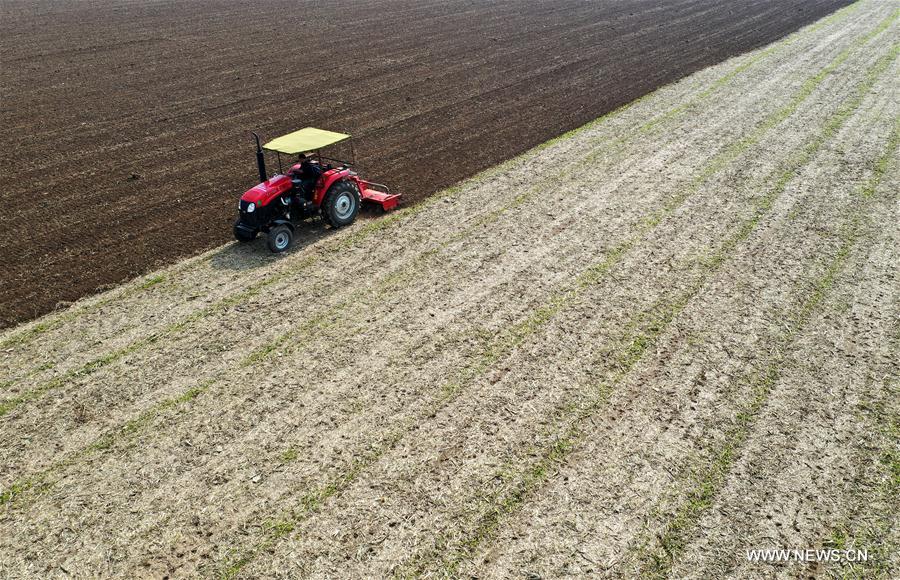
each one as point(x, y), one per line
point(639, 350)
point(126, 124)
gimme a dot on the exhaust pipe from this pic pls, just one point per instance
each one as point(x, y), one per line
point(260, 160)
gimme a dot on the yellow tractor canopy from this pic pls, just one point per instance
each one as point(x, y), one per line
point(308, 139)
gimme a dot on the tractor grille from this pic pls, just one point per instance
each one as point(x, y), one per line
point(254, 219)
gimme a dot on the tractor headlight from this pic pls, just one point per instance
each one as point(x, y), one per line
point(251, 207)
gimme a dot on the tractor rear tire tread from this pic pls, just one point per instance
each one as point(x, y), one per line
point(330, 204)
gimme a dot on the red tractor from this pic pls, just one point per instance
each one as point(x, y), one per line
point(278, 204)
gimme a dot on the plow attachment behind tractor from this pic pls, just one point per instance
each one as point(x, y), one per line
point(380, 194)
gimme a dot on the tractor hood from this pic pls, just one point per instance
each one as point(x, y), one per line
point(263, 193)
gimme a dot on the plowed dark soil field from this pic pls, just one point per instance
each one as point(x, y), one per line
point(125, 124)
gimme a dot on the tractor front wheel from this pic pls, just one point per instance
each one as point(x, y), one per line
point(280, 238)
point(341, 204)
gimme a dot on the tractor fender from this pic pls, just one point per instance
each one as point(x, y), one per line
point(328, 179)
point(282, 222)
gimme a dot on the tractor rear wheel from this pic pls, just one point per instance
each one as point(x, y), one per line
point(341, 204)
point(280, 238)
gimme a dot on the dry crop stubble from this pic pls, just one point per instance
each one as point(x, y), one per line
point(534, 512)
point(628, 354)
point(790, 486)
point(645, 319)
